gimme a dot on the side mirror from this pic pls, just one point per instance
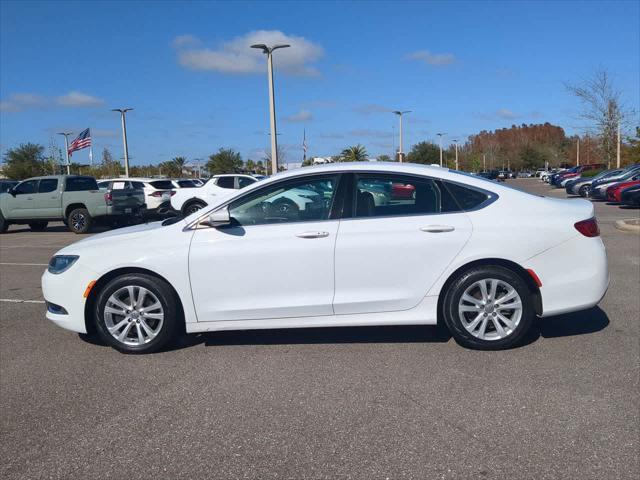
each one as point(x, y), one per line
point(219, 218)
point(12, 191)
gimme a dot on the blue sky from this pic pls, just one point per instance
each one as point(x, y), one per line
point(185, 67)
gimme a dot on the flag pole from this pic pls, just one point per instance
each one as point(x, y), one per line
point(91, 150)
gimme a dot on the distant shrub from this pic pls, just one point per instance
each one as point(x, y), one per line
point(591, 173)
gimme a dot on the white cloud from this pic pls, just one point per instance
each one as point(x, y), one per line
point(237, 57)
point(22, 101)
point(184, 41)
point(371, 108)
point(78, 99)
point(18, 102)
point(301, 116)
point(434, 59)
point(506, 114)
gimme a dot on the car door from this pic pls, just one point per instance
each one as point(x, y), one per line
point(47, 200)
point(275, 260)
point(21, 203)
point(396, 244)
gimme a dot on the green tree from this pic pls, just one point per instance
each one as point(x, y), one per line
point(355, 153)
point(532, 157)
point(425, 153)
point(250, 165)
point(226, 160)
point(179, 163)
point(384, 158)
point(24, 162)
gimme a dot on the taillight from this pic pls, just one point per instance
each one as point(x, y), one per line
point(108, 198)
point(588, 228)
point(173, 192)
point(157, 193)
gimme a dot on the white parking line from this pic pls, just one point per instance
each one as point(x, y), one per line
point(26, 264)
point(17, 300)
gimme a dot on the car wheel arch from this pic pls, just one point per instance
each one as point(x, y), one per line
point(192, 201)
point(107, 277)
point(73, 206)
point(500, 262)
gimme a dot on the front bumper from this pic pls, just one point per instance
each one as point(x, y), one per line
point(67, 290)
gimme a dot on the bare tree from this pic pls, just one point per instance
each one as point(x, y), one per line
point(602, 109)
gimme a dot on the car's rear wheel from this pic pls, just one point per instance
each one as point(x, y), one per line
point(38, 226)
point(79, 220)
point(192, 208)
point(488, 308)
point(137, 313)
point(584, 191)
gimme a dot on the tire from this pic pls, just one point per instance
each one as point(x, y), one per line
point(4, 225)
point(143, 331)
point(584, 191)
point(192, 207)
point(38, 226)
point(498, 334)
point(79, 220)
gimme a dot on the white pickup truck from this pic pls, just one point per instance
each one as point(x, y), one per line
point(188, 200)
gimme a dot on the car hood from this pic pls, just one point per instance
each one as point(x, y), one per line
point(117, 238)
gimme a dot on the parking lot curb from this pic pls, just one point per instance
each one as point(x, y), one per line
point(630, 225)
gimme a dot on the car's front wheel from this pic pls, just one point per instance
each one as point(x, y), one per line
point(488, 308)
point(584, 191)
point(137, 313)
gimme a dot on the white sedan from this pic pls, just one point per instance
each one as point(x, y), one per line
point(482, 258)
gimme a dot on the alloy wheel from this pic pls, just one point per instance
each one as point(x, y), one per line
point(133, 315)
point(490, 309)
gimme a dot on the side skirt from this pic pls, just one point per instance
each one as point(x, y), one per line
point(423, 314)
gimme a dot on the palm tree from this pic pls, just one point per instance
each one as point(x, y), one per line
point(179, 163)
point(356, 153)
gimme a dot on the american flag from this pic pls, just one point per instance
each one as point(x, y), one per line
point(83, 140)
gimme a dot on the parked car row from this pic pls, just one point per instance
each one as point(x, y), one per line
point(618, 185)
point(80, 201)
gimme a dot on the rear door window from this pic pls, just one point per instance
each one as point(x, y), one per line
point(463, 198)
point(48, 185)
point(137, 185)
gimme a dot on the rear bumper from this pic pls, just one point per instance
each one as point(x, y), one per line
point(574, 275)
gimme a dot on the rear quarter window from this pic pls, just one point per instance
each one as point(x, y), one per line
point(464, 198)
point(162, 184)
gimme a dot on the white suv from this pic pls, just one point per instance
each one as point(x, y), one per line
point(189, 200)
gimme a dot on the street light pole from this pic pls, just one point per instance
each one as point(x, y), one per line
point(455, 142)
point(400, 152)
point(66, 149)
point(441, 135)
point(268, 51)
point(124, 137)
point(618, 151)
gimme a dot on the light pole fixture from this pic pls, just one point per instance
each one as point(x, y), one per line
point(455, 142)
point(124, 137)
point(268, 51)
point(66, 149)
point(400, 113)
point(441, 135)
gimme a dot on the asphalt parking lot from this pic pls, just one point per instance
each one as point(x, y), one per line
point(380, 402)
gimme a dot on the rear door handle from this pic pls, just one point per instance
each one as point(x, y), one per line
point(437, 228)
point(312, 235)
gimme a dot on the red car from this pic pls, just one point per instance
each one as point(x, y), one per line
point(614, 191)
point(400, 191)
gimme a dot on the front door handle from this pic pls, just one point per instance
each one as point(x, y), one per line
point(437, 228)
point(312, 235)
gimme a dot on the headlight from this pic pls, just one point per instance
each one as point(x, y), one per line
point(61, 263)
